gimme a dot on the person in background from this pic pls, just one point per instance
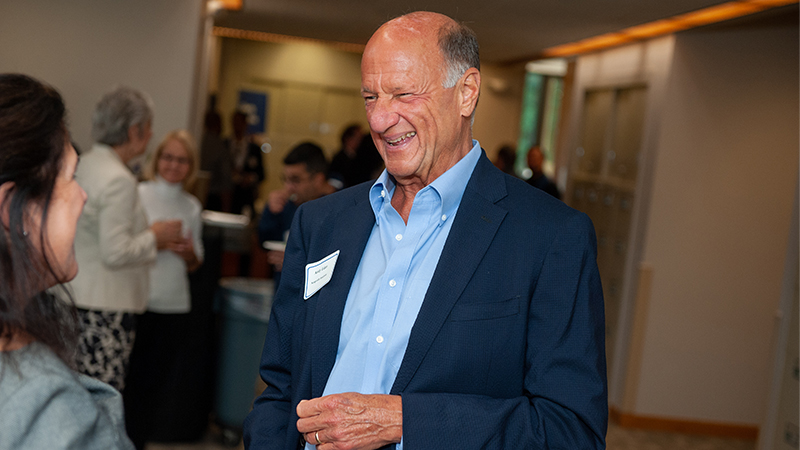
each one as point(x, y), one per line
point(44, 404)
point(216, 160)
point(506, 156)
point(346, 168)
point(114, 244)
point(156, 358)
point(447, 304)
point(304, 175)
point(248, 167)
point(539, 180)
point(370, 160)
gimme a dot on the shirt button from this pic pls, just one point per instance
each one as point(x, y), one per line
point(392, 283)
point(399, 237)
point(379, 339)
point(444, 217)
point(383, 193)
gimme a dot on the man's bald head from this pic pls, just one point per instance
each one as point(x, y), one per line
point(457, 44)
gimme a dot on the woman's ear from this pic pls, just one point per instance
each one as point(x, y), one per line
point(5, 202)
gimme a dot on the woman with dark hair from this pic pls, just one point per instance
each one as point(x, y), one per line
point(43, 403)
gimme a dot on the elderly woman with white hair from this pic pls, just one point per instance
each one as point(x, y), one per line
point(114, 245)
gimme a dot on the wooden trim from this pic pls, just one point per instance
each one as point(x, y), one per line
point(725, 430)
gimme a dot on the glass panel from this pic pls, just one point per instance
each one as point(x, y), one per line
point(603, 185)
point(627, 134)
point(529, 120)
point(552, 108)
point(597, 110)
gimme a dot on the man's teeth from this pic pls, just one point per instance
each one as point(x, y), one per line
point(407, 135)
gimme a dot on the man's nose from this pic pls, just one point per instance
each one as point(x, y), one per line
point(382, 116)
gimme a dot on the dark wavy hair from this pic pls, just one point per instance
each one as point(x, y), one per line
point(309, 153)
point(32, 138)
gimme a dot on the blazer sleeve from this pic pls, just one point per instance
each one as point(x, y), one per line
point(120, 244)
point(564, 402)
point(266, 427)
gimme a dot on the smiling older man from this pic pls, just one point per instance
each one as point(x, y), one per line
point(445, 305)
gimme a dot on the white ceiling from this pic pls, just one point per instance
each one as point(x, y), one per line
point(508, 30)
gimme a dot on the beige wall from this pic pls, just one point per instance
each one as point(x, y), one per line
point(718, 167)
point(314, 92)
point(499, 107)
point(84, 48)
point(719, 220)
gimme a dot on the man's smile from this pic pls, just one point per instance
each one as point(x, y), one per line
point(402, 138)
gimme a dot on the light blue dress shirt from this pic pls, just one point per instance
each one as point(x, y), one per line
point(392, 279)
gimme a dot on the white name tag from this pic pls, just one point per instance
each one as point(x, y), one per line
point(319, 273)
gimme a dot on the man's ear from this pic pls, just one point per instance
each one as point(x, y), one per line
point(470, 91)
point(320, 178)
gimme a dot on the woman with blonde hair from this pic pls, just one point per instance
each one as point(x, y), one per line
point(157, 353)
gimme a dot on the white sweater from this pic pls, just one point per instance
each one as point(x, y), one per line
point(169, 283)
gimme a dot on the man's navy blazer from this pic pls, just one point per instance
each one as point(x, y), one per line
point(507, 351)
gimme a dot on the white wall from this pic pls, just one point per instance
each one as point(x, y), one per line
point(719, 220)
point(86, 47)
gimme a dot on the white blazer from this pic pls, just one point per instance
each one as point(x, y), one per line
point(114, 246)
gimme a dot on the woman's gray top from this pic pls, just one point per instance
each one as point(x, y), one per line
point(45, 405)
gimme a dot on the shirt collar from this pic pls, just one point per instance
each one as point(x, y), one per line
point(450, 185)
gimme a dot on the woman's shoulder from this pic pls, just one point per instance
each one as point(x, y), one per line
point(99, 171)
point(101, 162)
point(192, 201)
point(45, 401)
point(32, 372)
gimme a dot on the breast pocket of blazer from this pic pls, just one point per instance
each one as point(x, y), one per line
point(484, 311)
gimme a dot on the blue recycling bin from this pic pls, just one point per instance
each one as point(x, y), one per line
point(244, 304)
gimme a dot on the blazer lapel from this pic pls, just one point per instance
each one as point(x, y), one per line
point(351, 229)
point(476, 223)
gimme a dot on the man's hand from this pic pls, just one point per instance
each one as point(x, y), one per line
point(351, 421)
point(275, 257)
point(277, 200)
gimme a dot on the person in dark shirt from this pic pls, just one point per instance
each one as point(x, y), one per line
point(504, 161)
point(304, 172)
point(345, 167)
point(358, 160)
point(539, 179)
point(216, 159)
point(248, 166)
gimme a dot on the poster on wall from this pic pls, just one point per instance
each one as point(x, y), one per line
point(255, 105)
